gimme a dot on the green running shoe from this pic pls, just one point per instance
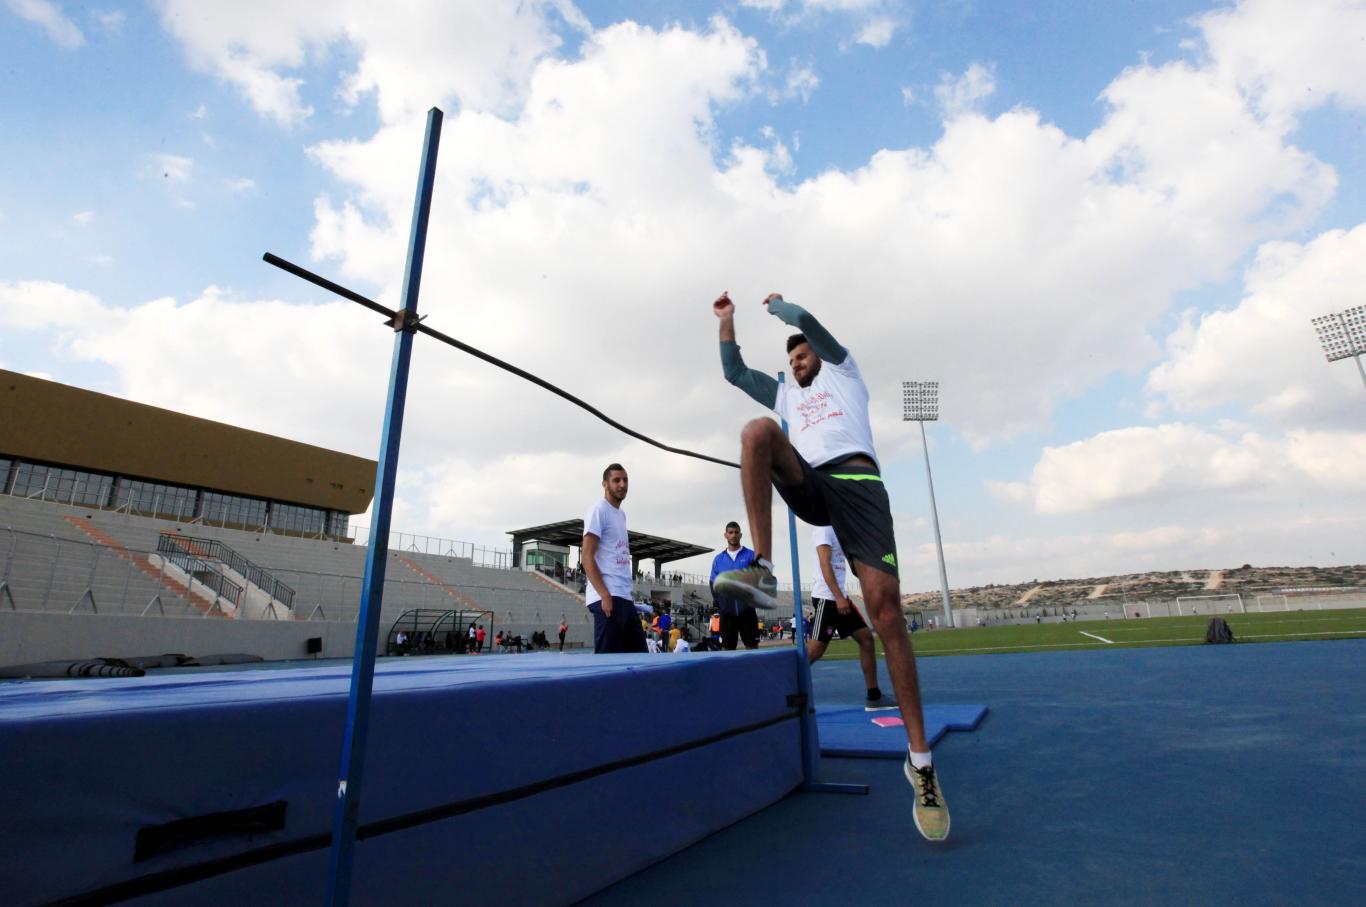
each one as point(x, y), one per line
point(931, 812)
point(755, 585)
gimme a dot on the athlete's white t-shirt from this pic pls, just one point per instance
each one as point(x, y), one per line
point(613, 556)
point(825, 535)
point(682, 646)
point(829, 419)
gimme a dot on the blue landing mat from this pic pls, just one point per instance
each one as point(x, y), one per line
point(851, 732)
point(218, 788)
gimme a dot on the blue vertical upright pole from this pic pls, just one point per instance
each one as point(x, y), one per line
point(372, 588)
point(811, 746)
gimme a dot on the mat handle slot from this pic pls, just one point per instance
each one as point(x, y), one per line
point(154, 840)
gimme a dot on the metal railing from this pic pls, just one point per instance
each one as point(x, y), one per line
point(172, 544)
point(500, 558)
point(46, 572)
point(203, 572)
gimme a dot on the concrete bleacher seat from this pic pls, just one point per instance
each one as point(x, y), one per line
point(326, 575)
point(51, 565)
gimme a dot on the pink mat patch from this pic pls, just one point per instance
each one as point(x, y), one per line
point(888, 722)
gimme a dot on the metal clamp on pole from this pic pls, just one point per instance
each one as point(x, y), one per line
point(406, 320)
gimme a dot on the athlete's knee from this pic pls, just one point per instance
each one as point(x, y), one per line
point(884, 616)
point(814, 651)
point(759, 433)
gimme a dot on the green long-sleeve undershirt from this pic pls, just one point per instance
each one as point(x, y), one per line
point(764, 388)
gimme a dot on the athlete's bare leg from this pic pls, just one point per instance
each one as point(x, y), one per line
point(882, 595)
point(814, 650)
point(867, 656)
point(766, 456)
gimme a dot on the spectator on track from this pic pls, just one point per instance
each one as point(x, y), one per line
point(607, 559)
point(835, 613)
point(739, 620)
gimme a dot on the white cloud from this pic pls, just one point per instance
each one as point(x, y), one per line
point(1291, 57)
point(1010, 492)
point(112, 20)
point(83, 218)
point(958, 95)
point(907, 95)
point(471, 53)
point(240, 184)
point(1334, 459)
point(802, 82)
point(875, 21)
point(258, 341)
point(1144, 464)
point(1172, 464)
point(60, 30)
point(101, 260)
point(1167, 538)
point(876, 32)
point(1264, 354)
point(199, 113)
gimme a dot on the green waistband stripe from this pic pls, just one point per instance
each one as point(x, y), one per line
point(857, 477)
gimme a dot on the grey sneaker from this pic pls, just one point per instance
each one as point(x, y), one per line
point(931, 812)
point(883, 704)
point(755, 585)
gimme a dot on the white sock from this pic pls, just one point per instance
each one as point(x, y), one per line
point(920, 760)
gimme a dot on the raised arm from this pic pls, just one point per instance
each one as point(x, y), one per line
point(822, 342)
point(762, 388)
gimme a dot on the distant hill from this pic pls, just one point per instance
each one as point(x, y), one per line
point(1141, 586)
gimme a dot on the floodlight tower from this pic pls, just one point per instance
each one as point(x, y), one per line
point(920, 403)
point(1343, 334)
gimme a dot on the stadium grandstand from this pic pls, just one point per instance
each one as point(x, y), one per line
point(128, 530)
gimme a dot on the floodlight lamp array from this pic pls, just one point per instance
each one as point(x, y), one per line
point(1342, 335)
point(920, 401)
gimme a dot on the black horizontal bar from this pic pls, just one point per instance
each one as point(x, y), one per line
point(373, 306)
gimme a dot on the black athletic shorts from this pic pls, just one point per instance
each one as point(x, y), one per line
point(850, 499)
point(830, 621)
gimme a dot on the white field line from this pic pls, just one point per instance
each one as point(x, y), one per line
point(1094, 636)
point(1127, 642)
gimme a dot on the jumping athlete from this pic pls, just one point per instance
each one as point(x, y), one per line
point(829, 475)
point(835, 613)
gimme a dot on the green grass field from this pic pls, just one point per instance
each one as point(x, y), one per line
point(1157, 631)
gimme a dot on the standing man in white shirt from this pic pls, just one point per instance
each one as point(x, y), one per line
point(607, 564)
point(835, 613)
point(829, 475)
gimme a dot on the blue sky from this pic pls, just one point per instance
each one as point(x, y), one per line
point(1104, 227)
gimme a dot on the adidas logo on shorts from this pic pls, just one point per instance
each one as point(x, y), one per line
point(889, 559)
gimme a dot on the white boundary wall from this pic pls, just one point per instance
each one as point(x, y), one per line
point(32, 636)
